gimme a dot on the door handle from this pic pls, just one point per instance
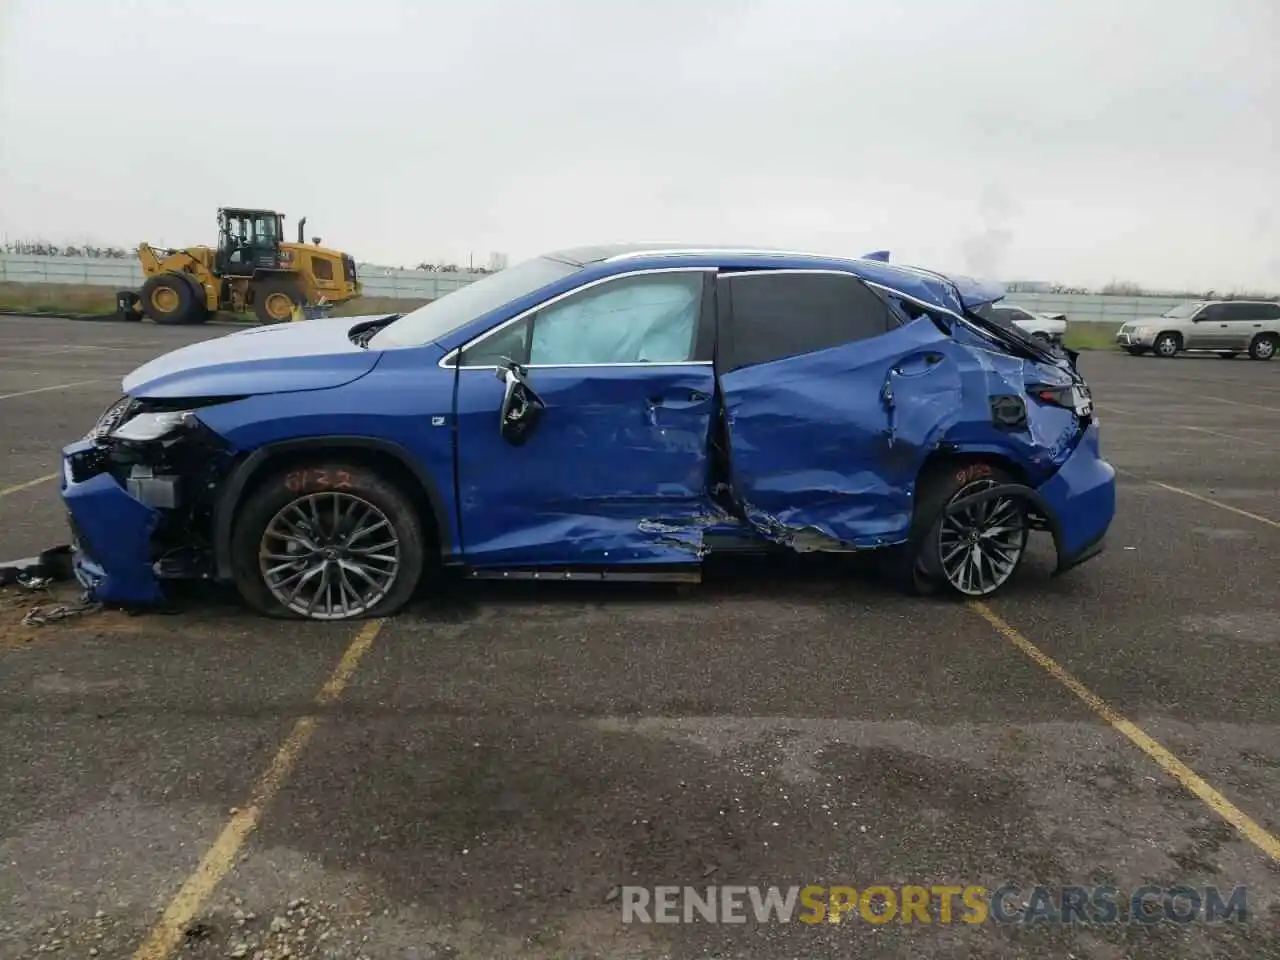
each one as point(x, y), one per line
point(693, 396)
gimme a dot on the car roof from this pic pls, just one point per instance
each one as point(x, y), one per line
point(938, 289)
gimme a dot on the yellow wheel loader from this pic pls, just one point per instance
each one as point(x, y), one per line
point(252, 268)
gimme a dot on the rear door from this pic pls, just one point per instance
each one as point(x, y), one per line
point(615, 469)
point(830, 402)
point(1246, 320)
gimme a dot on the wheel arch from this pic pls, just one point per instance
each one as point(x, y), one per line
point(390, 458)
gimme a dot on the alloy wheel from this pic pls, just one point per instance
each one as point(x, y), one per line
point(329, 556)
point(980, 546)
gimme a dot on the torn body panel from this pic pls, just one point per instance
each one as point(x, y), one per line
point(826, 447)
point(111, 533)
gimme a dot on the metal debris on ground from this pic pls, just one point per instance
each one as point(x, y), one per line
point(46, 613)
point(53, 564)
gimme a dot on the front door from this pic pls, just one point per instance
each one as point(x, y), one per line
point(615, 469)
point(1211, 329)
point(831, 404)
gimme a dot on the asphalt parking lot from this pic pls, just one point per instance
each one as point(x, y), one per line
point(478, 777)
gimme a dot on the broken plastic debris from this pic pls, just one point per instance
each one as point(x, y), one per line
point(53, 564)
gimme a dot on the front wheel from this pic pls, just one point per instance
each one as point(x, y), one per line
point(1167, 345)
point(327, 541)
point(972, 552)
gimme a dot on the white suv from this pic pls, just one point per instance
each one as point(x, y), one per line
point(1225, 327)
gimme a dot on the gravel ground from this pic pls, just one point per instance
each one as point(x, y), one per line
point(501, 763)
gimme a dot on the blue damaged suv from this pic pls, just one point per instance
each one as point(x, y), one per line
point(605, 412)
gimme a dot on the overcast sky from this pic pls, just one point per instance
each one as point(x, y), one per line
point(1081, 141)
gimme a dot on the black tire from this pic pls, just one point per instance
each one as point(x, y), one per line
point(321, 483)
point(127, 306)
point(1136, 351)
point(1167, 345)
point(1264, 346)
point(919, 568)
point(170, 298)
point(200, 310)
point(267, 295)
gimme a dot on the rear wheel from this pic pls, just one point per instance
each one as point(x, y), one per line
point(1264, 346)
point(973, 552)
point(1167, 345)
point(327, 541)
point(274, 300)
point(169, 298)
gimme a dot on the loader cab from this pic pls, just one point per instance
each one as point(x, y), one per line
point(248, 241)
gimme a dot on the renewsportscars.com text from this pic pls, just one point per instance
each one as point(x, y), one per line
point(937, 904)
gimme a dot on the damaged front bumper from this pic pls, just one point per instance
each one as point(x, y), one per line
point(111, 530)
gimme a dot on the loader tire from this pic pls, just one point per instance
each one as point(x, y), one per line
point(169, 298)
point(200, 310)
point(274, 300)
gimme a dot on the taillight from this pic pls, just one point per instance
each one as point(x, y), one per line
point(1075, 398)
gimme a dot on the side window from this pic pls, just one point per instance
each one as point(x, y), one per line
point(1215, 311)
point(323, 269)
point(511, 342)
point(787, 314)
point(649, 318)
point(1268, 311)
point(1244, 311)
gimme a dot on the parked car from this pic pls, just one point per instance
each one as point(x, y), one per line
point(1226, 327)
point(1050, 327)
point(606, 413)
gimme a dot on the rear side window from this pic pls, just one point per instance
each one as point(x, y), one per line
point(780, 315)
point(1251, 311)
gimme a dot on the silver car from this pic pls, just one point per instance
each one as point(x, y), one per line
point(1225, 327)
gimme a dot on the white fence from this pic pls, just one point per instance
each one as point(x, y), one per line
point(126, 273)
point(423, 285)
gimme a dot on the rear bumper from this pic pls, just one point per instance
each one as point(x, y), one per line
point(110, 533)
point(1079, 502)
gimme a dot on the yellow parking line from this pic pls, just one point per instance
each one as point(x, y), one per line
point(167, 935)
point(19, 487)
point(1188, 778)
point(59, 386)
point(1203, 499)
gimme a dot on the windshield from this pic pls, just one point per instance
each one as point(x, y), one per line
point(434, 320)
point(1184, 311)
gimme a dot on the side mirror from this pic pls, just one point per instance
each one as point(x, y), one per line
point(521, 407)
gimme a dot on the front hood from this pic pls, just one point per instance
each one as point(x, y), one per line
point(307, 355)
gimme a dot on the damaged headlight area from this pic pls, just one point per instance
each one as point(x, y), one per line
point(168, 462)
